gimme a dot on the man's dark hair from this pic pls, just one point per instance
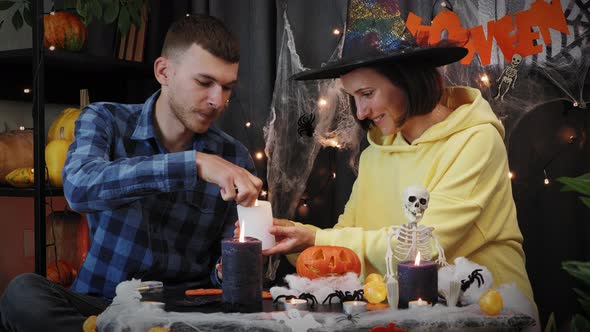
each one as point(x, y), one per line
point(422, 86)
point(205, 31)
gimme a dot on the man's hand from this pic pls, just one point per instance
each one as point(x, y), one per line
point(235, 182)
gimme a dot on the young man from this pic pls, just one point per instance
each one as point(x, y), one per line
point(158, 182)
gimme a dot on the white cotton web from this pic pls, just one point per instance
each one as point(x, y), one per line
point(305, 116)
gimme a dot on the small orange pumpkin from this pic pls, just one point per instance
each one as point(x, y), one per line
point(62, 272)
point(64, 31)
point(326, 261)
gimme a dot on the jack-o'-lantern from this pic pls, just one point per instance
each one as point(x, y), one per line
point(326, 261)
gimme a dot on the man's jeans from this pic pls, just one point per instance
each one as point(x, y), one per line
point(32, 303)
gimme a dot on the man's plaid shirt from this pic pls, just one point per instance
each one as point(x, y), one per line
point(149, 215)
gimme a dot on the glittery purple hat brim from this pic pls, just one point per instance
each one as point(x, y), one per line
point(428, 56)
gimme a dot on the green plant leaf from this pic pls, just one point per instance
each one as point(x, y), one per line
point(579, 324)
point(585, 200)
point(17, 20)
point(82, 10)
point(95, 9)
point(551, 326)
point(111, 11)
point(581, 184)
point(4, 5)
point(579, 270)
point(123, 23)
point(27, 16)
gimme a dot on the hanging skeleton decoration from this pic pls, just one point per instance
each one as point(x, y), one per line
point(508, 77)
point(412, 238)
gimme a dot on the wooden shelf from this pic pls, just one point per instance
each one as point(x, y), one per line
point(27, 192)
point(66, 73)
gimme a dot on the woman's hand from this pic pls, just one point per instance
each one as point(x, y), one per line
point(290, 238)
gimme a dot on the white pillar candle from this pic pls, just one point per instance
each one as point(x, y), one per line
point(354, 307)
point(257, 220)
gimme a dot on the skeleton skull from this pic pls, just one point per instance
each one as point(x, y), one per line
point(416, 201)
point(516, 59)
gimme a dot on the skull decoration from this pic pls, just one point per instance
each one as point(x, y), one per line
point(416, 201)
point(516, 59)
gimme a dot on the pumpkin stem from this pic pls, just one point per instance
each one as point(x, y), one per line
point(61, 133)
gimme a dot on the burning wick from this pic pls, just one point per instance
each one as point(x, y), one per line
point(417, 261)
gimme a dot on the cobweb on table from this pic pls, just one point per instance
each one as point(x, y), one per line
point(128, 314)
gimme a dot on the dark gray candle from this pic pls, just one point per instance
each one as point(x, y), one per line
point(417, 282)
point(242, 274)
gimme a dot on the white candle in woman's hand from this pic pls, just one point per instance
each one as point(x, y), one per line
point(258, 220)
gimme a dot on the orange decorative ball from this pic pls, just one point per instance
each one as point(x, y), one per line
point(64, 31)
point(326, 261)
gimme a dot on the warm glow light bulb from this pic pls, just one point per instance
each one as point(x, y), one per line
point(322, 102)
point(27, 90)
point(248, 124)
point(510, 175)
point(51, 13)
point(336, 32)
point(259, 155)
point(21, 128)
point(333, 175)
point(546, 181)
point(263, 193)
point(484, 78)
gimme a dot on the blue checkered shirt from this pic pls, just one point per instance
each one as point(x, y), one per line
point(149, 214)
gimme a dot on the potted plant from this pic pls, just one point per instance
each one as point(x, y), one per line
point(124, 12)
point(577, 269)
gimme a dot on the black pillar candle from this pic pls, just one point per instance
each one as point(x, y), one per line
point(417, 282)
point(242, 275)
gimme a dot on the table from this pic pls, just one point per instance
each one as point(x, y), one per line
point(204, 314)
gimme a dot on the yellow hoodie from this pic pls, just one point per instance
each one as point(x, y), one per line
point(462, 162)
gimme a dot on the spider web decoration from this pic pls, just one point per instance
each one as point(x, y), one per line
point(290, 152)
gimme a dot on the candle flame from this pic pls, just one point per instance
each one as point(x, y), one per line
point(417, 261)
point(256, 202)
point(420, 302)
point(242, 230)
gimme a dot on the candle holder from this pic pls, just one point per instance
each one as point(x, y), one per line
point(419, 303)
point(354, 307)
point(289, 304)
point(242, 275)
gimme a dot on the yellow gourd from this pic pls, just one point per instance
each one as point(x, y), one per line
point(65, 119)
point(21, 177)
point(55, 158)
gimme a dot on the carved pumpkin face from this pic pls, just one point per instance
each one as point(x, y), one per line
point(325, 261)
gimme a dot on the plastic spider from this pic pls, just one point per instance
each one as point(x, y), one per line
point(353, 318)
point(474, 276)
point(305, 124)
point(357, 295)
point(303, 296)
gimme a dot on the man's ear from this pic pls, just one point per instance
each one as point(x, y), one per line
point(162, 70)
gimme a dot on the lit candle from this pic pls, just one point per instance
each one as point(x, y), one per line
point(242, 273)
point(298, 304)
point(354, 307)
point(417, 280)
point(258, 219)
point(418, 304)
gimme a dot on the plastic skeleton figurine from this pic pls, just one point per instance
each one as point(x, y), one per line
point(508, 76)
point(412, 238)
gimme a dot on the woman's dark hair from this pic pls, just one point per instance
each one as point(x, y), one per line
point(205, 31)
point(422, 85)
